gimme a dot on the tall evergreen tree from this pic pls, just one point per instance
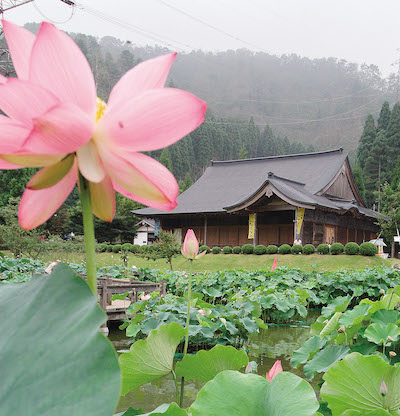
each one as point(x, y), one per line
point(165, 159)
point(366, 141)
point(393, 136)
point(384, 117)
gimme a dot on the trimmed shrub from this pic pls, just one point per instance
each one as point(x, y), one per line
point(227, 250)
point(127, 246)
point(216, 250)
point(116, 248)
point(236, 250)
point(248, 249)
point(204, 248)
point(260, 249)
point(308, 249)
point(323, 249)
point(336, 248)
point(368, 249)
point(351, 249)
point(101, 248)
point(109, 248)
point(284, 249)
point(135, 248)
point(272, 249)
point(296, 249)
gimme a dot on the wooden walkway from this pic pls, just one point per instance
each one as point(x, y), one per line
point(108, 286)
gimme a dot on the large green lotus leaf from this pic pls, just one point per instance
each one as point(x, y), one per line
point(151, 358)
point(53, 359)
point(306, 351)
point(318, 325)
point(380, 412)
point(354, 384)
point(324, 359)
point(205, 365)
point(389, 301)
point(354, 316)
point(338, 304)
point(385, 317)
point(331, 325)
point(232, 393)
point(378, 333)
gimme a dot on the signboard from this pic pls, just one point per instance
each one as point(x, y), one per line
point(300, 218)
point(252, 226)
point(156, 227)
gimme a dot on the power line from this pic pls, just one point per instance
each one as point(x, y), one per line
point(55, 21)
point(196, 19)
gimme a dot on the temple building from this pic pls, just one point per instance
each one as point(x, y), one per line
point(273, 200)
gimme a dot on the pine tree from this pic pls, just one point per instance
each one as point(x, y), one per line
point(185, 183)
point(384, 117)
point(165, 159)
point(366, 141)
point(393, 136)
point(243, 154)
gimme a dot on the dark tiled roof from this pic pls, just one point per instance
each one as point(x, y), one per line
point(229, 183)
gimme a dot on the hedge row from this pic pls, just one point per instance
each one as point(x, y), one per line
point(365, 249)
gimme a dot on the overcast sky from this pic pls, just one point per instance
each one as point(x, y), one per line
point(355, 30)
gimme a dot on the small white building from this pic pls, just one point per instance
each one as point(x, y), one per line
point(145, 232)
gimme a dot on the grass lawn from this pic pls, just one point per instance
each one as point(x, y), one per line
point(213, 262)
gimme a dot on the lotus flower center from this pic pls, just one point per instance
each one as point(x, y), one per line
point(101, 108)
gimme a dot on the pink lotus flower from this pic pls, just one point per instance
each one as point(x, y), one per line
point(145, 297)
point(55, 121)
point(274, 264)
point(190, 247)
point(276, 368)
point(202, 312)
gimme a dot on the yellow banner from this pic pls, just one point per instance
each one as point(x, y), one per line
point(300, 218)
point(252, 226)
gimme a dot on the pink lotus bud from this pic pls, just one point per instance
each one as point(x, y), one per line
point(276, 368)
point(202, 312)
point(248, 369)
point(383, 389)
point(274, 265)
point(145, 297)
point(190, 247)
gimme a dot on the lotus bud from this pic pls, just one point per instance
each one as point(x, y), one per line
point(392, 354)
point(276, 368)
point(274, 264)
point(342, 330)
point(202, 312)
point(145, 297)
point(383, 389)
point(389, 339)
point(190, 247)
point(382, 291)
point(248, 368)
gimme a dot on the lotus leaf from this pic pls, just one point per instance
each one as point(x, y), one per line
point(378, 333)
point(304, 353)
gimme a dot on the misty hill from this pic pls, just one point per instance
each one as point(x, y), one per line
point(286, 92)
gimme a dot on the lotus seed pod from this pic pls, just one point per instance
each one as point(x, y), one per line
point(382, 291)
point(342, 330)
point(392, 354)
point(389, 339)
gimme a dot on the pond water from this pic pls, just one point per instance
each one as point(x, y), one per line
point(275, 343)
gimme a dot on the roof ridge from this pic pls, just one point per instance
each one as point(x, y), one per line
point(272, 175)
point(339, 150)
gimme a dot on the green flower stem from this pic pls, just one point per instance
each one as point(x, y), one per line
point(88, 230)
point(176, 386)
point(185, 348)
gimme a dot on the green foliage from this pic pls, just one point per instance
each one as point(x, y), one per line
point(231, 393)
point(135, 248)
point(227, 250)
point(205, 365)
point(204, 248)
point(351, 249)
point(237, 250)
point(284, 249)
point(307, 350)
point(366, 140)
point(308, 249)
point(296, 249)
point(102, 248)
point(116, 248)
point(126, 246)
point(13, 183)
point(18, 241)
point(323, 249)
point(260, 249)
point(368, 249)
point(75, 389)
point(355, 384)
point(166, 247)
point(272, 249)
point(382, 334)
point(109, 248)
point(152, 358)
point(336, 248)
point(216, 250)
point(248, 249)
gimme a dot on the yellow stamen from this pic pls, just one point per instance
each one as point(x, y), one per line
point(101, 108)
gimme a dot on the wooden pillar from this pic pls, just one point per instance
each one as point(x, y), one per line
point(255, 230)
point(205, 231)
point(295, 225)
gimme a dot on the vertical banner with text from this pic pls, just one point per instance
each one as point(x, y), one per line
point(300, 218)
point(156, 226)
point(252, 226)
